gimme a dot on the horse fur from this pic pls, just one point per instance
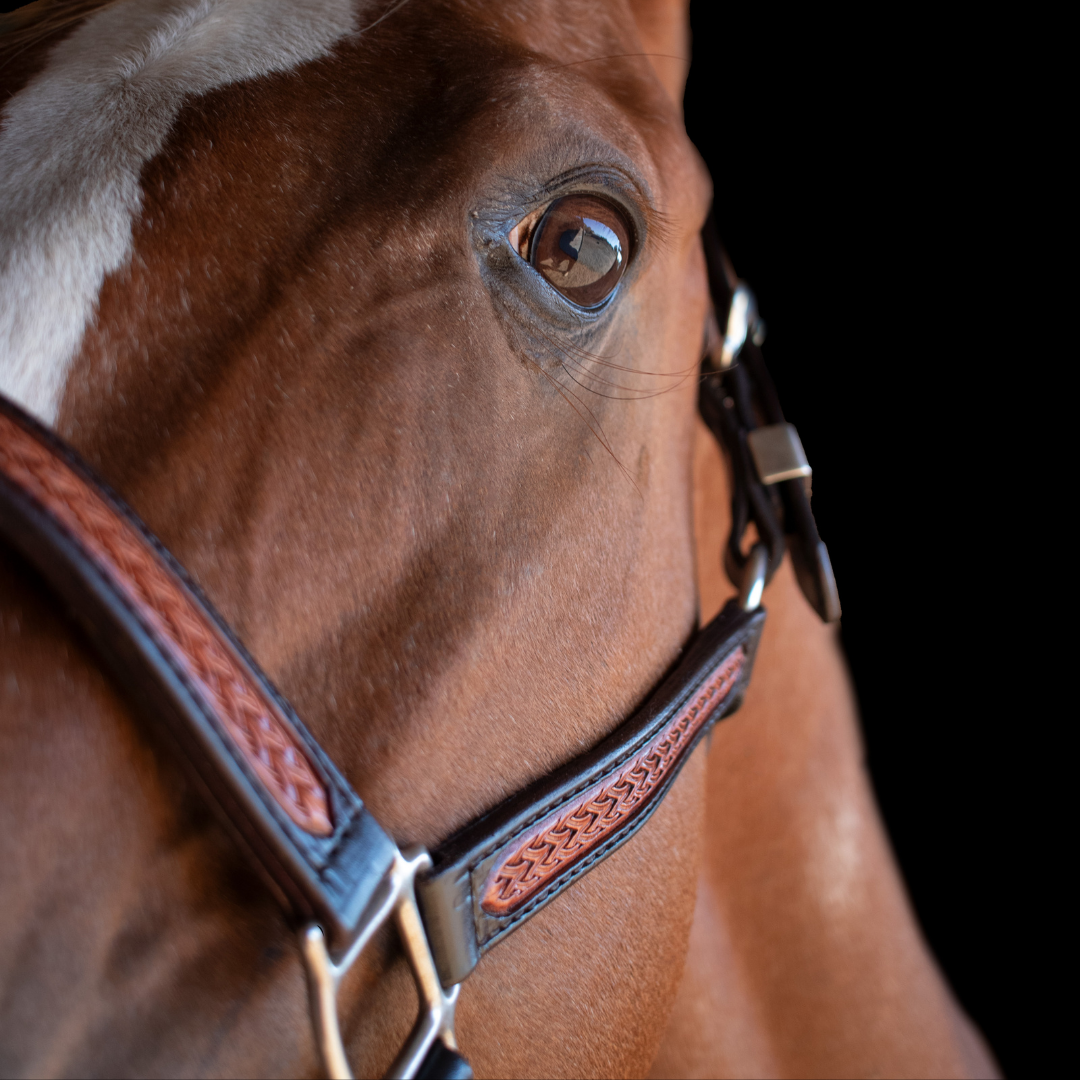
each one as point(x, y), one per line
point(257, 273)
point(74, 141)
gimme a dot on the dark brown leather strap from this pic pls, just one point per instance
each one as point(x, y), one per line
point(501, 869)
point(734, 401)
point(321, 851)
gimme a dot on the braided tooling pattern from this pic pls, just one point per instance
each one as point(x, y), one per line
point(177, 623)
point(565, 836)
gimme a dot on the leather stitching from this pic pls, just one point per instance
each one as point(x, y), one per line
point(564, 881)
point(538, 858)
point(181, 629)
point(563, 796)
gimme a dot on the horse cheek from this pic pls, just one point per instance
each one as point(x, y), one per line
point(585, 988)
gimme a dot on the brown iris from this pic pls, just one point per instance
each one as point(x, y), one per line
point(581, 246)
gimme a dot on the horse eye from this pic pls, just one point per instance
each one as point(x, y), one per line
point(581, 246)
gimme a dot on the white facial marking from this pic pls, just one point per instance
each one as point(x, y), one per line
point(74, 140)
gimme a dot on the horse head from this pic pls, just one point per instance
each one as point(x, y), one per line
point(441, 490)
point(387, 318)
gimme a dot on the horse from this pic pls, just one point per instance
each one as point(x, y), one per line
point(271, 269)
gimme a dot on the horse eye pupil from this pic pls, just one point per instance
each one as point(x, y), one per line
point(579, 247)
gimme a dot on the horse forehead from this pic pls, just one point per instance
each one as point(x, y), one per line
point(76, 137)
point(545, 71)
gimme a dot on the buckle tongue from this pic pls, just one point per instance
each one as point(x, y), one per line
point(396, 896)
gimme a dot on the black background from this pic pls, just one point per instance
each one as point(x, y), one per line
point(858, 190)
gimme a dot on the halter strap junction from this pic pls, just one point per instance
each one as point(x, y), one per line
point(336, 872)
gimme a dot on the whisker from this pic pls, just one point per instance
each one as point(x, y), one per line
point(634, 395)
point(586, 374)
point(597, 431)
point(601, 394)
point(601, 359)
point(682, 376)
point(567, 350)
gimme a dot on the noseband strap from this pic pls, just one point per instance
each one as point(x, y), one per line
point(496, 872)
point(333, 868)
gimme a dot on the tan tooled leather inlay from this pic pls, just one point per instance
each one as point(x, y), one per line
point(181, 629)
point(566, 835)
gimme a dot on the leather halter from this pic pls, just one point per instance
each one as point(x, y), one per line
point(336, 872)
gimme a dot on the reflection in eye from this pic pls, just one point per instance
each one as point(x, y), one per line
point(581, 246)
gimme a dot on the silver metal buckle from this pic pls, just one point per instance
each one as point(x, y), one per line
point(743, 322)
point(757, 566)
point(396, 897)
point(778, 453)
